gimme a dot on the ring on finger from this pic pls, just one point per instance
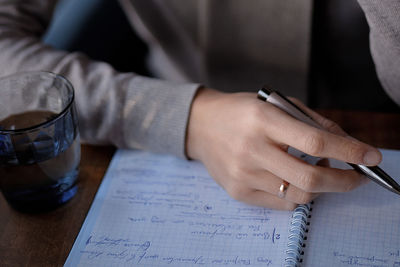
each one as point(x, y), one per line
point(283, 188)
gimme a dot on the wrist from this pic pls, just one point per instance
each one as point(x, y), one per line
point(200, 114)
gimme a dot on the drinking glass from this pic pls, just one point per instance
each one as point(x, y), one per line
point(39, 141)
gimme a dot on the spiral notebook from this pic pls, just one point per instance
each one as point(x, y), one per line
point(154, 210)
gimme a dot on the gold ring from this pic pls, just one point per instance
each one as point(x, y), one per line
point(282, 189)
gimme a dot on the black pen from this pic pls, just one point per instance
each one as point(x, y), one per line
point(374, 173)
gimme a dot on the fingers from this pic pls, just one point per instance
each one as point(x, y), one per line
point(268, 182)
point(309, 178)
point(320, 143)
point(261, 187)
point(265, 170)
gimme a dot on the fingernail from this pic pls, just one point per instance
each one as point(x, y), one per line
point(372, 158)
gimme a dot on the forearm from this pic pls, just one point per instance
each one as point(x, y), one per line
point(123, 109)
point(384, 20)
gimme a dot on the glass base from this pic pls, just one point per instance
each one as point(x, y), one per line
point(42, 200)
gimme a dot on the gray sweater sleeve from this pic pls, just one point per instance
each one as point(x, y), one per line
point(383, 17)
point(123, 109)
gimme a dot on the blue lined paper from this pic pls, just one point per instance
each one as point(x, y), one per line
point(360, 228)
point(154, 210)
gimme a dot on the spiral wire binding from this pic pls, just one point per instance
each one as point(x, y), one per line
point(298, 235)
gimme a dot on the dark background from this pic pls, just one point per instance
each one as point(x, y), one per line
point(100, 29)
point(342, 72)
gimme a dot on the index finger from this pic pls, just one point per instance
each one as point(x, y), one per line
point(325, 123)
point(320, 143)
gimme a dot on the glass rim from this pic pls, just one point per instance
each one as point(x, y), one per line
point(53, 119)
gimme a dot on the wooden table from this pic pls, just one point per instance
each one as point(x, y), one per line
point(46, 239)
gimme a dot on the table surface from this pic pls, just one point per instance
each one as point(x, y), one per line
point(46, 239)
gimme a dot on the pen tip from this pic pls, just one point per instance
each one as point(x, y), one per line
point(396, 188)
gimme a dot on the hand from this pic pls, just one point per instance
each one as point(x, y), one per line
point(243, 143)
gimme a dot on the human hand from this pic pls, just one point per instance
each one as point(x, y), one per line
point(243, 143)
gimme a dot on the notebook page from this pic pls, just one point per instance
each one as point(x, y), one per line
point(154, 210)
point(360, 228)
